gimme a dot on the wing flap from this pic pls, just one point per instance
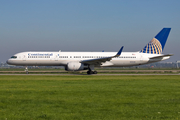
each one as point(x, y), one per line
point(96, 61)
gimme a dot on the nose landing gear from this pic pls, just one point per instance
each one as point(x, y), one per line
point(91, 70)
point(26, 70)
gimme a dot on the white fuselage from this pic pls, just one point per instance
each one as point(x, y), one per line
point(63, 58)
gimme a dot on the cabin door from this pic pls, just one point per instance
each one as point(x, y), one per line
point(56, 57)
point(24, 57)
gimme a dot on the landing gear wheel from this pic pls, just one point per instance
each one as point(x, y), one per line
point(26, 70)
point(89, 72)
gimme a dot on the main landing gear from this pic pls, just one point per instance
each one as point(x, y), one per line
point(91, 70)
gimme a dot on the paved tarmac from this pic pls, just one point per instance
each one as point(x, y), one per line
point(86, 74)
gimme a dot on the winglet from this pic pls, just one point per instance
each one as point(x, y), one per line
point(119, 52)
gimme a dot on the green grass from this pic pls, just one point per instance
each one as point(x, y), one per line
point(89, 97)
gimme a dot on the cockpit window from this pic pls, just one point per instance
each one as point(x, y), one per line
point(14, 57)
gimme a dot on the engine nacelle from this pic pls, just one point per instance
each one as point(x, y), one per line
point(75, 66)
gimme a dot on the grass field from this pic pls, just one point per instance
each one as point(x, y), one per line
point(89, 97)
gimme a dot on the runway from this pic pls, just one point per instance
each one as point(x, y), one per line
point(85, 74)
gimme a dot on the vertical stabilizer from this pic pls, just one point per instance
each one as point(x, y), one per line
point(156, 45)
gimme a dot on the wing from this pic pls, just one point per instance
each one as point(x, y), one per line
point(161, 56)
point(101, 60)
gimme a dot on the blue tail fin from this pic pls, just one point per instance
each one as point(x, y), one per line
point(156, 45)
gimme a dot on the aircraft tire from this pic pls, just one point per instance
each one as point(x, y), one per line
point(90, 72)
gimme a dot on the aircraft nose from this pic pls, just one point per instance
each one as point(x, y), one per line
point(8, 62)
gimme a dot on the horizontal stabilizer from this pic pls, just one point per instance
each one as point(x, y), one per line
point(159, 57)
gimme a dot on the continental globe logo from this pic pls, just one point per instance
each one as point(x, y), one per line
point(153, 47)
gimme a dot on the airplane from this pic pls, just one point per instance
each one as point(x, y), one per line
point(78, 61)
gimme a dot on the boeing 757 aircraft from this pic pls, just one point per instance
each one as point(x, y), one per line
point(77, 61)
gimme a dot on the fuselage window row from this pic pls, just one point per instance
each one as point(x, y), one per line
point(81, 57)
point(96, 57)
point(63, 56)
point(38, 56)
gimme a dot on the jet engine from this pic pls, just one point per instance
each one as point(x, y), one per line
point(75, 66)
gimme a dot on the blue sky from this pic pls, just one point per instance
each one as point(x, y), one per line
point(86, 25)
